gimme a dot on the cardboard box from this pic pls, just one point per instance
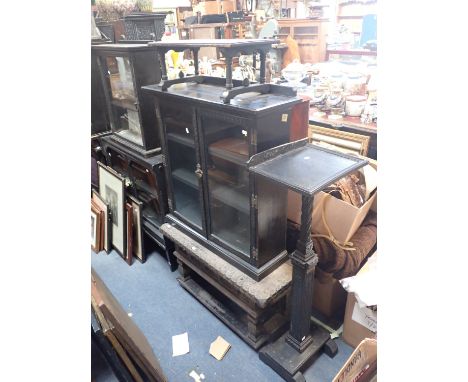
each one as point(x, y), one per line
point(214, 7)
point(329, 297)
point(362, 360)
point(343, 218)
point(359, 323)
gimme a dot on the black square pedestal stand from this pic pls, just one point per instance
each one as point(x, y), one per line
point(306, 169)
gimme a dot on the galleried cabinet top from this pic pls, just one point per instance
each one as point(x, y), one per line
point(237, 44)
point(121, 48)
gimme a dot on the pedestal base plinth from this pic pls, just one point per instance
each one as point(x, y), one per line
point(287, 361)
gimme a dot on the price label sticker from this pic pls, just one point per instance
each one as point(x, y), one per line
point(284, 118)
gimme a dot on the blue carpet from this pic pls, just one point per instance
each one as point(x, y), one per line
point(162, 308)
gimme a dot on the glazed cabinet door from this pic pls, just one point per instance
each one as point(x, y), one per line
point(183, 168)
point(124, 113)
point(226, 140)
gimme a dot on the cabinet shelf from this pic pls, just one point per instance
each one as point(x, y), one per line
point(186, 176)
point(125, 104)
point(234, 197)
point(231, 149)
point(181, 139)
point(182, 123)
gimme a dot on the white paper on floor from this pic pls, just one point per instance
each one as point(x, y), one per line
point(180, 344)
point(195, 376)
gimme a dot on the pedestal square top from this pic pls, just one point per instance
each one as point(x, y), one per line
point(304, 167)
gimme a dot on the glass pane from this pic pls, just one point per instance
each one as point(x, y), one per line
point(125, 118)
point(228, 182)
point(183, 162)
point(121, 78)
point(126, 123)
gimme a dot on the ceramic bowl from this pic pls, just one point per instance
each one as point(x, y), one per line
point(355, 105)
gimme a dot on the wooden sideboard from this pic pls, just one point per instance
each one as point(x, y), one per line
point(310, 34)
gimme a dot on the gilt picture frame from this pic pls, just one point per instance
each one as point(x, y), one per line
point(338, 140)
point(107, 221)
point(96, 229)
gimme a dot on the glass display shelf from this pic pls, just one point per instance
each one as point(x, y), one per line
point(185, 176)
point(181, 139)
point(125, 104)
point(234, 197)
point(232, 149)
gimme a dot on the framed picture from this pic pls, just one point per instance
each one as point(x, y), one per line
point(97, 220)
point(342, 141)
point(138, 243)
point(112, 190)
point(95, 229)
point(107, 221)
point(129, 254)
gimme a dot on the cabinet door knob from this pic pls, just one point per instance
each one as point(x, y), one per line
point(198, 171)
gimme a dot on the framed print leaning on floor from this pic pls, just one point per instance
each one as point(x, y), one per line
point(94, 230)
point(138, 245)
point(107, 221)
point(112, 190)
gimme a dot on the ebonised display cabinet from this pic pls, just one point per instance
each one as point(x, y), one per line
point(99, 118)
point(147, 183)
point(209, 133)
point(124, 69)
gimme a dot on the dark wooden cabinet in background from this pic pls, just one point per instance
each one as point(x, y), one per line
point(147, 183)
point(132, 146)
point(144, 26)
point(125, 68)
point(310, 35)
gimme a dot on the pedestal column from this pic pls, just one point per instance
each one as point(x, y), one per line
point(304, 260)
